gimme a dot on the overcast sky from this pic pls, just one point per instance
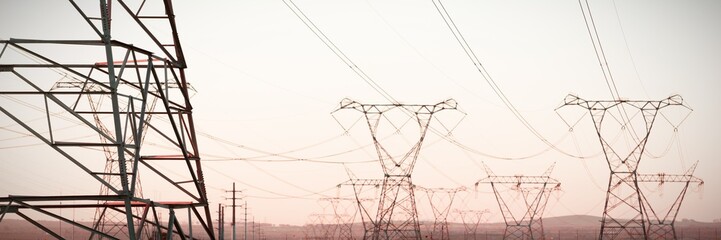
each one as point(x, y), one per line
point(265, 81)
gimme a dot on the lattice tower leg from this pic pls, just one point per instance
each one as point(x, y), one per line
point(397, 217)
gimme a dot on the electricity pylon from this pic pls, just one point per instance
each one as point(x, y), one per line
point(131, 78)
point(471, 219)
point(623, 214)
point(111, 222)
point(344, 214)
point(366, 206)
point(319, 227)
point(535, 191)
point(397, 216)
point(661, 220)
point(440, 200)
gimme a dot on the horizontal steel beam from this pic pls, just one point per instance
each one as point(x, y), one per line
point(62, 198)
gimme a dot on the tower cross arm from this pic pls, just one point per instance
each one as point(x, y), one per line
point(449, 104)
point(518, 179)
point(362, 182)
point(663, 178)
point(673, 100)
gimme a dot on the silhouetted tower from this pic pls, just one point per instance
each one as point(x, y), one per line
point(367, 208)
point(471, 219)
point(113, 92)
point(623, 214)
point(344, 215)
point(661, 220)
point(535, 191)
point(319, 227)
point(397, 216)
point(440, 200)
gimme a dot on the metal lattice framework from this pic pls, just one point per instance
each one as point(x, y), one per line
point(440, 200)
point(661, 220)
point(132, 78)
point(366, 206)
point(335, 220)
point(397, 216)
point(623, 195)
point(535, 191)
point(344, 215)
point(319, 227)
point(471, 219)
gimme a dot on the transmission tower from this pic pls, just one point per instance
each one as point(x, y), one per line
point(535, 191)
point(111, 222)
point(471, 219)
point(130, 78)
point(319, 227)
point(661, 221)
point(623, 195)
point(344, 214)
point(397, 216)
point(366, 206)
point(440, 200)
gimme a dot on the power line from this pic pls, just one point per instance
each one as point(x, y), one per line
point(487, 77)
point(343, 57)
point(628, 49)
point(280, 154)
point(326, 41)
point(282, 195)
point(598, 48)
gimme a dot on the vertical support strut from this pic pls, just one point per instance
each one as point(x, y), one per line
point(119, 139)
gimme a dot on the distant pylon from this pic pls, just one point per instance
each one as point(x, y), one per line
point(344, 214)
point(111, 222)
point(366, 206)
point(319, 227)
point(397, 216)
point(471, 219)
point(661, 220)
point(441, 201)
point(535, 191)
point(623, 214)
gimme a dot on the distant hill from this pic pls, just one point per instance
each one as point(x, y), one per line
point(572, 221)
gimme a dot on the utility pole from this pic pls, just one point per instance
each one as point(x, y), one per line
point(221, 216)
point(232, 224)
point(245, 235)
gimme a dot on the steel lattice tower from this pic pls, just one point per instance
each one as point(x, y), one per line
point(471, 219)
point(338, 224)
point(535, 191)
point(661, 221)
point(344, 214)
point(397, 216)
point(366, 206)
point(440, 200)
point(623, 194)
point(133, 78)
point(319, 227)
